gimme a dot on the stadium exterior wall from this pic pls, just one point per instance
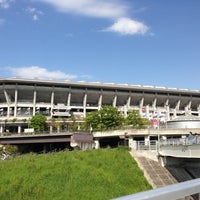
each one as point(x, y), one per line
point(21, 99)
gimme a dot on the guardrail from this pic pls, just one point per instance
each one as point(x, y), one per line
point(180, 141)
point(170, 192)
point(147, 145)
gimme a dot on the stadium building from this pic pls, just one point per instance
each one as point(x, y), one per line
point(20, 99)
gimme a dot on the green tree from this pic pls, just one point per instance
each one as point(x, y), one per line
point(92, 120)
point(108, 117)
point(134, 119)
point(38, 122)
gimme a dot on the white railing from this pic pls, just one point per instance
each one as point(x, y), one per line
point(180, 141)
point(170, 192)
point(146, 145)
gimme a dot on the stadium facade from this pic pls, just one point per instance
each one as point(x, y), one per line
point(20, 99)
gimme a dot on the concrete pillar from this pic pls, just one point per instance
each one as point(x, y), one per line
point(132, 144)
point(198, 109)
point(34, 101)
point(167, 112)
point(141, 104)
point(147, 111)
point(128, 102)
point(8, 111)
point(97, 145)
point(84, 104)
point(115, 101)
point(15, 107)
point(147, 139)
point(174, 113)
point(7, 97)
point(1, 129)
point(100, 101)
point(52, 102)
point(58, 128)
point(19, 129)
point(50, 129)
point(178, 105)
point(69, 99)
point(154, 103)
point(188, 108)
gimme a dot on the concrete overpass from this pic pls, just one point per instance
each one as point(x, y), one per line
point(131, 136)
point(32, 139)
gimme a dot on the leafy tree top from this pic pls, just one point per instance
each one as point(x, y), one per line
point(38, 122)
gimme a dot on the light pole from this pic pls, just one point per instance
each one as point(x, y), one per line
point(158, 133)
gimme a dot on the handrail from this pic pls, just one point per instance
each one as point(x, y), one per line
point(172, 192)
point(180, 141)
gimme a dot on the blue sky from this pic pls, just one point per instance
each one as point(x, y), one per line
point(147, 42)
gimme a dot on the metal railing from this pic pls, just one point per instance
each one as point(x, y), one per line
point(146, 145)
point(180, 141)
point(176, 191)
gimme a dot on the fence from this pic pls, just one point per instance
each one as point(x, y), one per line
point(146, 145)
point(173, 192)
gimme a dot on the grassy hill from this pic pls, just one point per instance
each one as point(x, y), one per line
point(82, 175)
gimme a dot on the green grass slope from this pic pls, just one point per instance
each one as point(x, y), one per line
point(97, 174)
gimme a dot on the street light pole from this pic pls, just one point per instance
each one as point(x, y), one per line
point(158, 133)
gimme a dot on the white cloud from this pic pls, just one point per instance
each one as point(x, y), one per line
point(5, 3)
point(31, 72)
point(35, 13)
point(127, 26)
point(110, 9)
point(35, 17)
point(92, 8)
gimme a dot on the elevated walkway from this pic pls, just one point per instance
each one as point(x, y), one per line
point(180, 148)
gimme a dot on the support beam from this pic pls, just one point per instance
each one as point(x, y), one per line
point(115, 101)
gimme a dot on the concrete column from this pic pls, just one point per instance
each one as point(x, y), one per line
point(174, 113)
point(188, 108)
point(115, 100)
point(128, 103)
point(15, 107)
point(58, 128)
point(97, 145)
point(167, 113)
point(132, 144)
point(147, 111)
point(8, 102)
point(166, 105)
point(198, 109)
point(154, 103)
point(69, 99)
point(100, 101)
point(7, 97)
point(34, 101)
point(19, 129)
point(50, 129)
point(52, 102)
point(1, 129)
point(166, 102)
point(178, 105)
point(84, 104)
point(146, 139)
point(141, 104)
point(8, 111)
